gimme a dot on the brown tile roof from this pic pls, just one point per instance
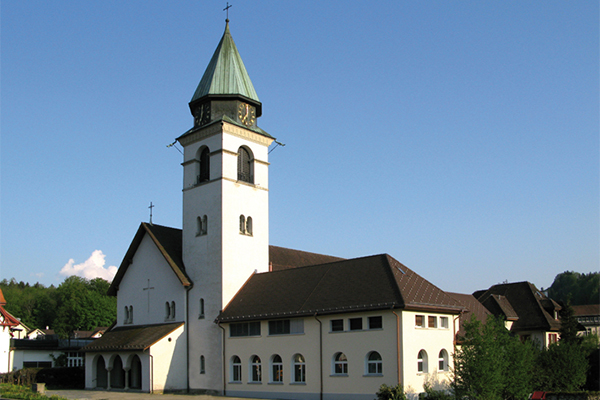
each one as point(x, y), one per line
point(282, 258)
point(587, 309)
point(131, 338)
point(527, 302)
point(366, 283)
point(169, 243)
point(473, 308)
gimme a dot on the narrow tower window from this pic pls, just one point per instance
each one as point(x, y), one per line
point(201, 309)
point(204, 172)
point(249, 226)
point(202, 365)
point(172, 310)
point(242, 224)
point(245, 165)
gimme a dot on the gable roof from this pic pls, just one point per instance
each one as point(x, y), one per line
point(226, 73)
point(169, 243)
point(528, 303)
point(359, 284)
point(131, 338)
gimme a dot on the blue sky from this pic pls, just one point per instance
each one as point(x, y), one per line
point(460, 137)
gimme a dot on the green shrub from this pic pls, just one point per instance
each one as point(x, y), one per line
point(10, 391)
point(390, 393)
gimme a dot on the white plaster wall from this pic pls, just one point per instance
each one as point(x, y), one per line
point(5, 366)
point(18, 357)
point(354, 344)
point(221, 261)
point(169, 362)
point(432, 340)
point(149, 305)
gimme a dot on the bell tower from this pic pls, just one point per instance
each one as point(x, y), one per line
point(225, 204)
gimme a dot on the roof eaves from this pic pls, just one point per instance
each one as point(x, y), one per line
point(183, 278)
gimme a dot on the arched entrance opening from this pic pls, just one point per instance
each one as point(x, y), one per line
point(135, 373)
point(117, 374)
point(101, 373)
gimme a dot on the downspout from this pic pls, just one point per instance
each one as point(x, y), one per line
point(223, 363)
point(398, 346)
point(320, 357)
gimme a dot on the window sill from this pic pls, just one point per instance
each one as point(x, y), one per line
point(338, 375)
point(285, 334)
point(372, 375)
point(275, 383)
point(235, 383)
point(254, 383)
point(298, 383)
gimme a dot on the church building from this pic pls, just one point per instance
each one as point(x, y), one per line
point(213, 308)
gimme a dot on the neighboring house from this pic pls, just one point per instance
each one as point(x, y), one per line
point(533, 315)
point(9, 327)
point(44, 351)
point(588, 316)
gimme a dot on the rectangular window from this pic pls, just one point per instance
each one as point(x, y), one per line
point(552, 338)
point(376, 322)
point(244, 329)
point(337, 325)
point(444, 322)
point(286, 327)
point(419, 321)
point(432, 322)
point(355, 324)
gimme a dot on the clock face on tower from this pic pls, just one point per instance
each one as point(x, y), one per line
point(246, 114)
point(202, 114)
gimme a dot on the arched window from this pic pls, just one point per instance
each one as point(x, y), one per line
point(340, 364)
point(131, 314)
point(422, 362)
point(172, 310)
point(242, 224)
point(204, 165)
point(245, 165)
point(167, 310)
point(201, 308)
point(299, 369)
point(276, 369)
point(236, 369)
point(202, 365)
point(249, 226)
point(126, 315)
point(255, 369)
point(443, 360)
point(374, 363)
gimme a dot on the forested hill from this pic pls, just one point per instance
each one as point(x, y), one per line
point(76, 304)
point(577, 288)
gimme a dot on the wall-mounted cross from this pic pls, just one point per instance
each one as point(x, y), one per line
point(148, 288)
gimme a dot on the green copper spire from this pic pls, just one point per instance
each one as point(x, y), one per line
point(226, 74)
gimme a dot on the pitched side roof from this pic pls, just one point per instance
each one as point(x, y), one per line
point(281, 258)
point(366, 283)
point(169, 243)
point(226, 73)
point(473, 309)
point(586, 310)
point(131, 338)
point(7, 319)
point(527, 302)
